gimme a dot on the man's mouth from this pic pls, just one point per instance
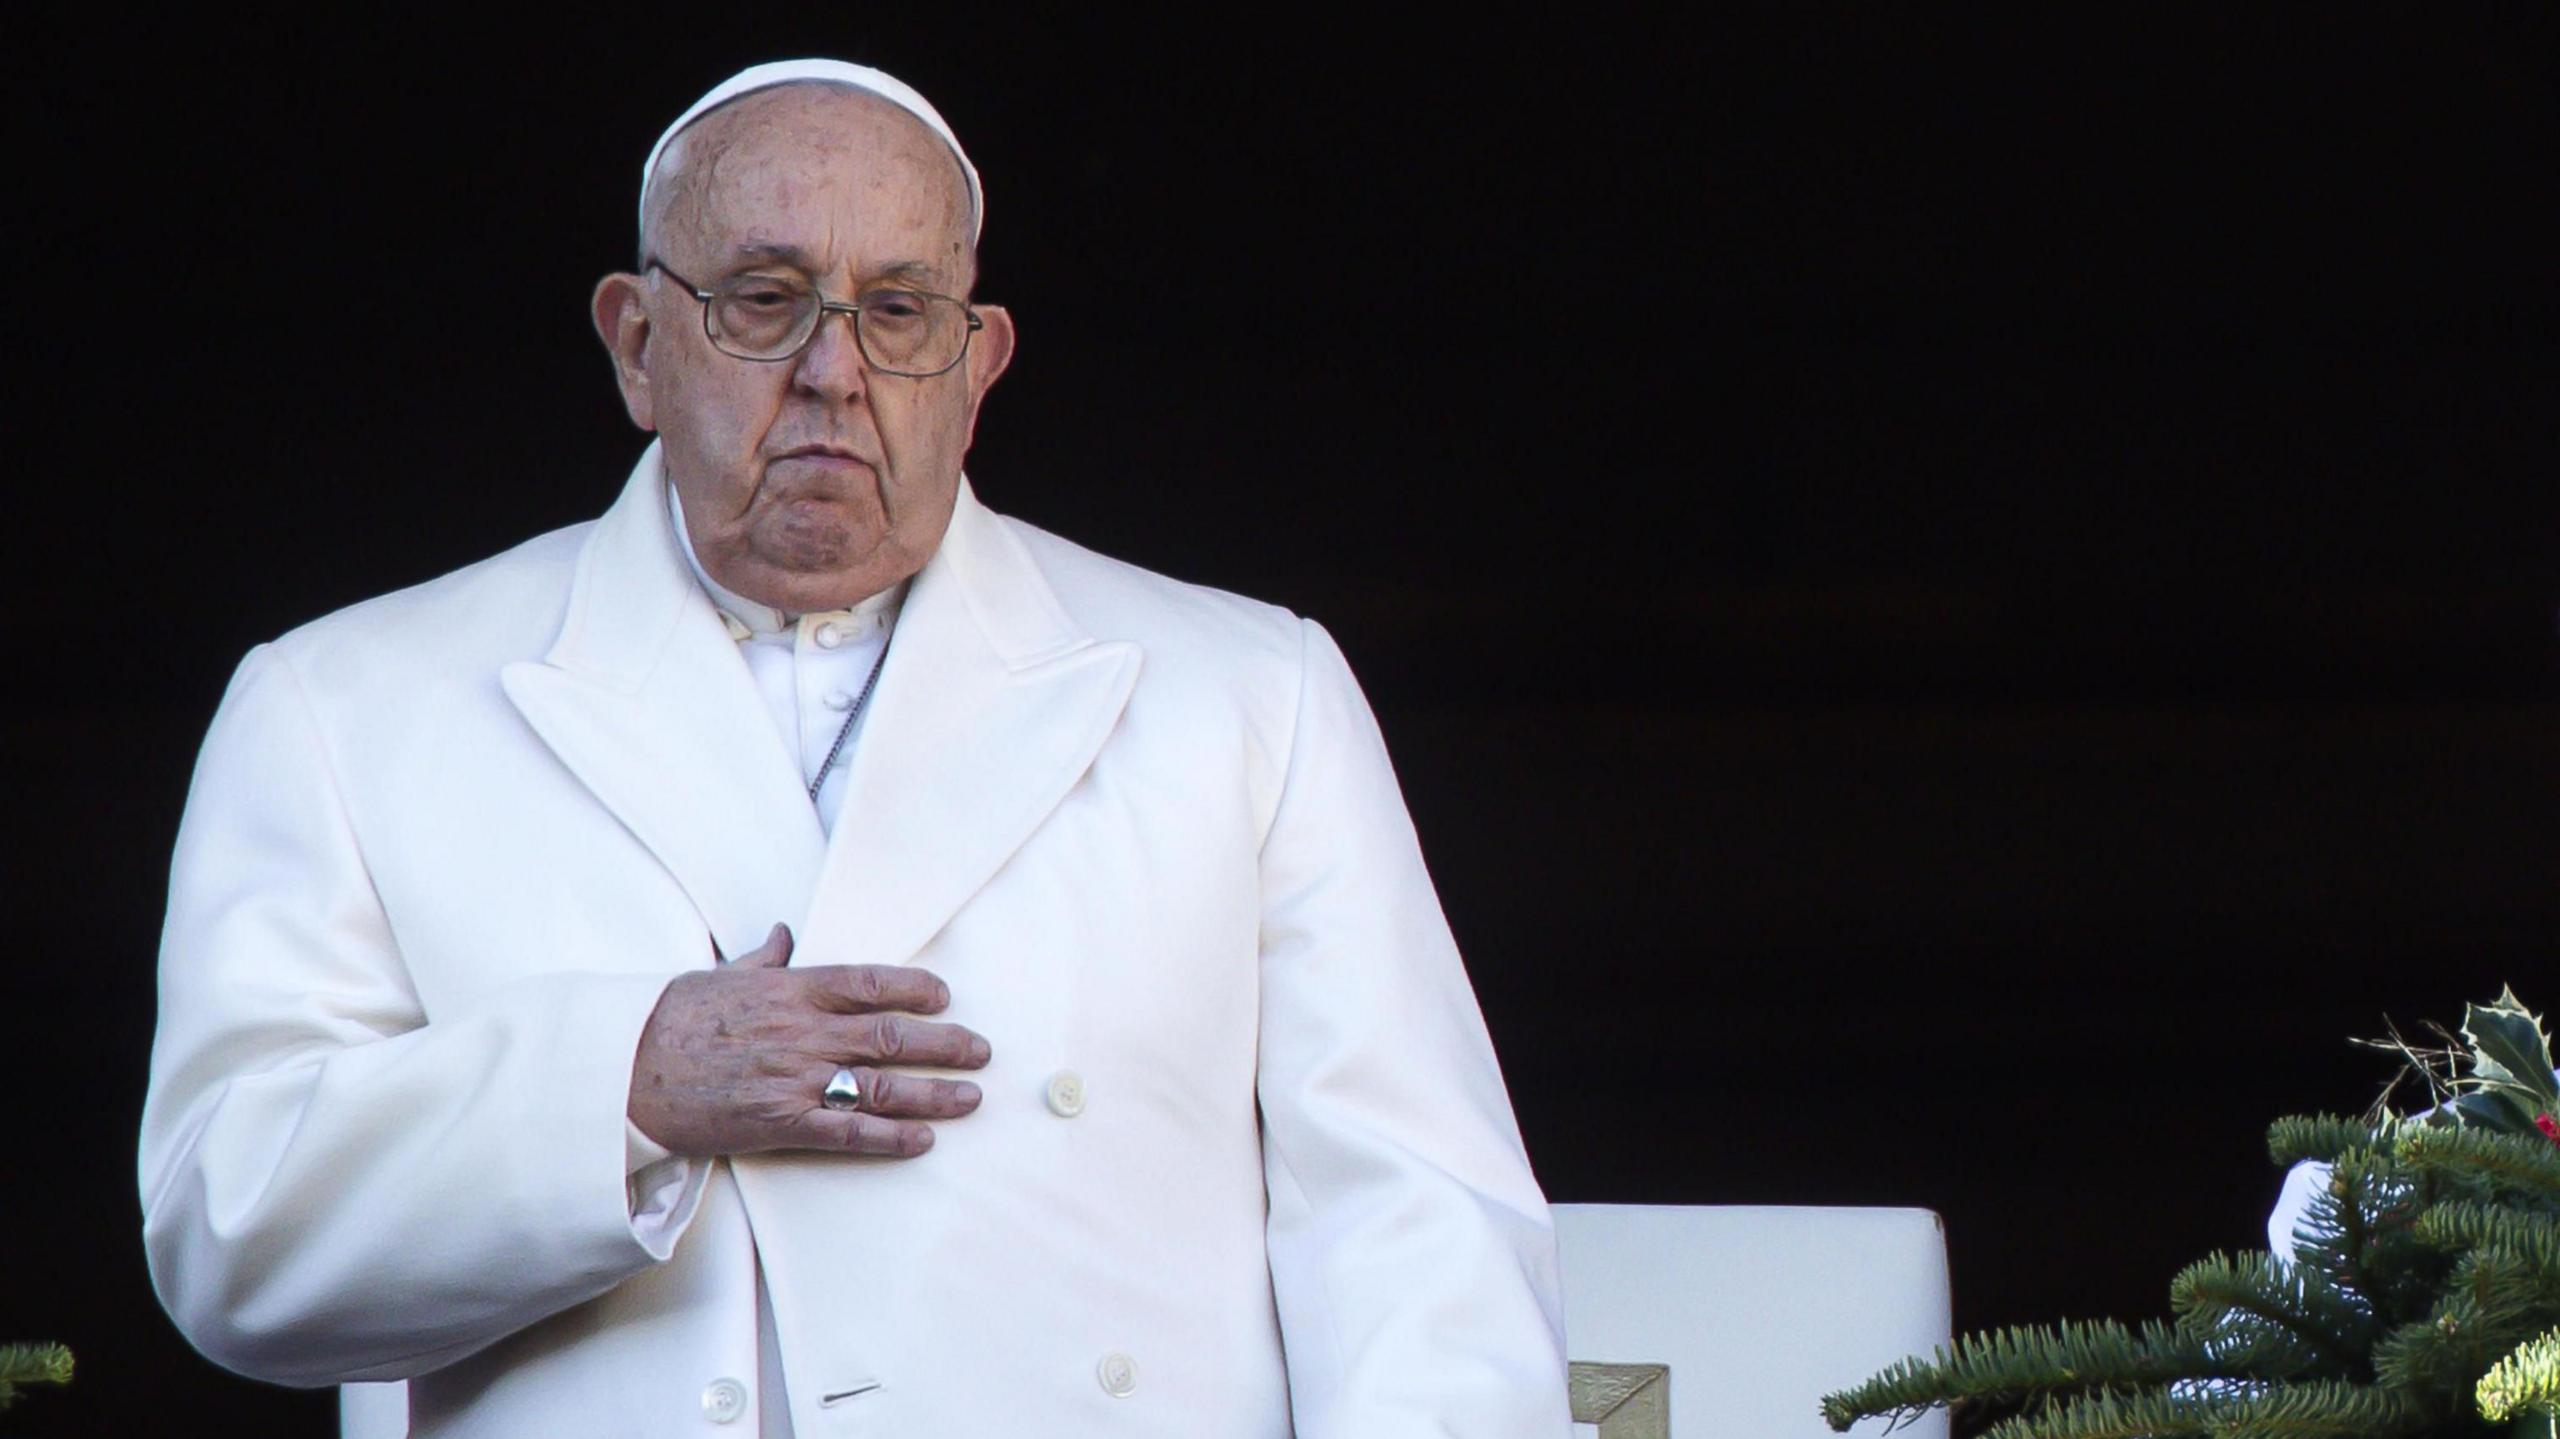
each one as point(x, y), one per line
point(825, 456)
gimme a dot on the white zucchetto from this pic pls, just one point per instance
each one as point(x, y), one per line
point(832, 72)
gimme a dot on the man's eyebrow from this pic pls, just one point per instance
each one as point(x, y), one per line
point(788, 254)
point(912, 272)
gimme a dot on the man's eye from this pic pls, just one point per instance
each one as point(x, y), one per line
point(894, 305)
point(773, 297)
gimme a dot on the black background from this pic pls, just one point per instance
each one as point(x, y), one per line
point(1958, 598)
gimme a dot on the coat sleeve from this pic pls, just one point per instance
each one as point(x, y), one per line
point(1412, 1257)
point(334, 1188)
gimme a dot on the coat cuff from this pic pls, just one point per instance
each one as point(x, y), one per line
point(661, 1189)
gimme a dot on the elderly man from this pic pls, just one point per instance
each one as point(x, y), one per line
point(809, 954)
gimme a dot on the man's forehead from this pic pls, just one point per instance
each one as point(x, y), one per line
point(813, 130)
point(795, 179)
point(822, 77)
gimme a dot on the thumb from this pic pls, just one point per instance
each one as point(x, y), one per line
point(774, 953)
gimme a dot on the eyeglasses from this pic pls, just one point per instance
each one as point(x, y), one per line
point(766, 318)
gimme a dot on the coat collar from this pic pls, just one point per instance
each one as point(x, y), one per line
point(992, 702)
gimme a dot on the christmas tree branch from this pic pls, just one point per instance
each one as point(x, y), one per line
point(2321, 1137)
point(2533, 1240)
point(2507, 1162)
point(2527, 1381)
point(2109, 1416)
point(31, 1364)
point(2012, 1365)
point(2299, 1302)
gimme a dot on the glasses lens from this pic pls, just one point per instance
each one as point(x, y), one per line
point(759, 316)
point(912, 334)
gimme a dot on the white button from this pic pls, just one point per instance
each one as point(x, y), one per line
point(1066, 1100)
point(830, 635)
point(1118, 1373)
point(723, 1400)
point(838, 701)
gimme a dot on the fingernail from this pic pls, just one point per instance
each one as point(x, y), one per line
point(969, 1093)
point(941, 995)
point(978, 1051)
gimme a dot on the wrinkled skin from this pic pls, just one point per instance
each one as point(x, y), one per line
point(733, 1058)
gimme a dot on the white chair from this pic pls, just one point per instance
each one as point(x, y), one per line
point(373, 1411)
point(1732, 1322)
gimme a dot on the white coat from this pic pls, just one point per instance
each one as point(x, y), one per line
point(443, 850)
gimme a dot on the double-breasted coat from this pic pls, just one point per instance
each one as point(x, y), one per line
point(443, 850)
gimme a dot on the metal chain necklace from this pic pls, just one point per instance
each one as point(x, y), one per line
point(836, 750)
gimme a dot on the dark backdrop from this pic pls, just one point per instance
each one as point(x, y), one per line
point(1958, 600)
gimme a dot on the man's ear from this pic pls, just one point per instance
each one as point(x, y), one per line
point(990, 350)
point(622, 322)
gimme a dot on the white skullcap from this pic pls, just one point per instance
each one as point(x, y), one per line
point(833, 72)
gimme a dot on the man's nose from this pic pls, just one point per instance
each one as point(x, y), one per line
point(832, 364)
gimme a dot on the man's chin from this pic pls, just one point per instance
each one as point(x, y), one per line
point(801, 584)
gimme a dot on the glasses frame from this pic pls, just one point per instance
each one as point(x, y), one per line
point(852, 308)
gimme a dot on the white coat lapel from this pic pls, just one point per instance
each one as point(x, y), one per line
point(990, 706)
point(645, 698)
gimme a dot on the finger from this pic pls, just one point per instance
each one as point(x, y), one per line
point(871, 1134)
point(774, 953)
point(904, 1039)
point(914, 1096)
point(862, 988)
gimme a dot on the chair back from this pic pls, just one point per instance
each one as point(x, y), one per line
point(1732, 1321)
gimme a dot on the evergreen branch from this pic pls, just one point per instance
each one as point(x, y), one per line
point(2333, 1234)
point(2491, 1303)
point(2110, 1416)
point(2526, 1381)
point(2532, 1240)
point(2300, 1302)
point(2357, 1233)
point(2323, 1137)
point(2515, 1163)
point(31, 1364)
point(2327, 1408)
point(2015, 1365)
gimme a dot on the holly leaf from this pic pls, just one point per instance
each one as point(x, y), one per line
point(2487, 1109)
point(2509, 1050)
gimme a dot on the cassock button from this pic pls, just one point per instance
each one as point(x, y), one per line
point(838, 701)
point(723, 1400)
point(830, 635)
point(1119, 1375)
point(1066, 1094)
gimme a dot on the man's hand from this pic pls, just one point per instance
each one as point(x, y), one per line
point(733, 1059)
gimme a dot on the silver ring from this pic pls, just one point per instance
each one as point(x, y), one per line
point(843, 1091)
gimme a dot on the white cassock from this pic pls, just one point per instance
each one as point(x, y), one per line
point(445, 848)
